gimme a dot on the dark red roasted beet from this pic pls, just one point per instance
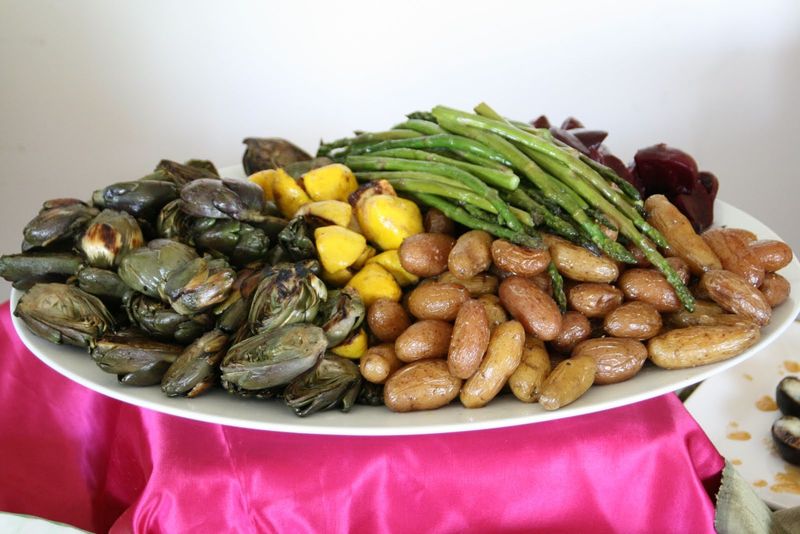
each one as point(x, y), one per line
point(593, 139)
point(540, 122)
point(568, 138)
point(698, 206)
point(570, 123)
point(665, 170)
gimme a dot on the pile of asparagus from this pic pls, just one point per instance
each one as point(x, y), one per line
point(509, 179)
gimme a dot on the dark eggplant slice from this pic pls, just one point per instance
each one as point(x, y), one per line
point(786, 435)
point(787, 395)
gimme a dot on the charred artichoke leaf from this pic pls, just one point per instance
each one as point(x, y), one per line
point(297, 239)
point(62, 313)
point(159, 320)
point(101, 283)
point(146, 269)
point(130, 351)
point(270, 153)
point(333, 381)
point(31, 265)
point(223, 199)
point(290, 293)
point(173, 223)
point(232, 313)
point(181, 174)
point(370, 394)
point(198, 285)
point(109, 236)
point(299, 168)
point(239, 242)
point(141, 198)
point(341, 314)
point(149, 375)
point(61, 219)
point(273, 358)
point(197, 367)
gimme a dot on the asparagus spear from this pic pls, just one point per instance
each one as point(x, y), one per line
point(448, 141)
point(429, 183)
point(504, 179)
point(421, 126)
point(325, 149)
point(562, 163)
point(372, 163)
point(558, 287)
point(550, 187)
point(461, 216)
point(627, 227)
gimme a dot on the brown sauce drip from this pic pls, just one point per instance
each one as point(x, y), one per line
point(788, 481)
point(736, 461)
point(739, 436)
point(748, 377)
point(760, 483)
point(766, 404)
point(792, 366)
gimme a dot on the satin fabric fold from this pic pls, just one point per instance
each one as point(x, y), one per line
point(75, 456)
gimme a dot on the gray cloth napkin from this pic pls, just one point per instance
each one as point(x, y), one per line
point(740, 511)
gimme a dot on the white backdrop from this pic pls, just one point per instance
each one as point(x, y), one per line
point(93, 92)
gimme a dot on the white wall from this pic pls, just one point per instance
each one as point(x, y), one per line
point(93, 92)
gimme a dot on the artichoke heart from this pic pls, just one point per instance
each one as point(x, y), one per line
point(196, 368)
point(223, 199)
point(146, 269)
point(141, 198)
point(62, 313)
point(157, 319)
point(291, 293)
point(109, 236)
point(270, 153)
point(342, 313)
point(134, 358)
point(199, 285)
point(273, 358)
point(59, 220)
point(334, 381)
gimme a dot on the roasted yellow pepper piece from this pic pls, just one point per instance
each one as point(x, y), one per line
point(264, 179)
point(331, 182)
point(390, 260)
point(338, 247)
point(338, 212)
point(353, 347)
point(362, 260)
point(387, 220)
point(288, 195)
point(338, 278)
point(374, 282)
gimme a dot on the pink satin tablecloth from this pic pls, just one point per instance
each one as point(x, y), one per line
point(75, 456)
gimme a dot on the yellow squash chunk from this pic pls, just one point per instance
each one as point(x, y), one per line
point(265, 179)
point(338, 247)
point(353, 347)
point(331, 182)
point(374, 282)
point(289, 196)
point(335, 211)
point(388, 220)
point(390, 260)
point(338, 278)
point(362, 260)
